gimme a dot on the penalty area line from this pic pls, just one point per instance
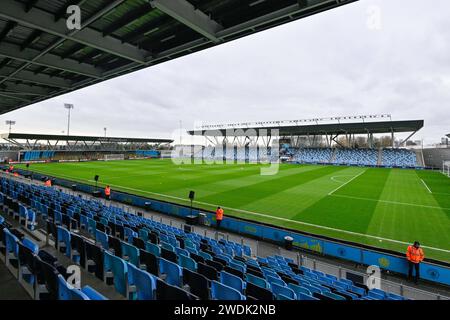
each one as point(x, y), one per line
point(429, 190)
point(342, 185)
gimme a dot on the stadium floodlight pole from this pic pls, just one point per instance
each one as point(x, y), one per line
point(10, 123)
point(105, 130)
point(68, 106)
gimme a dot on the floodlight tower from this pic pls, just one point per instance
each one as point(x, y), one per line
point(104, 129)
point(69, 107)
point(10, 123)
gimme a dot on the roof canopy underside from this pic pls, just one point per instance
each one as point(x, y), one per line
point(319, 129)
point(48, 137)
point(41, 58)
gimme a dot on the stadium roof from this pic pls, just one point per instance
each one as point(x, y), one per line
point(41, 58)
point(321, 129)
point(49, 137)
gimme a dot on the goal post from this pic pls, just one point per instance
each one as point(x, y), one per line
point(112, 157)
point(446, 168)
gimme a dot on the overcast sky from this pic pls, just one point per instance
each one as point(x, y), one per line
point(330, 64)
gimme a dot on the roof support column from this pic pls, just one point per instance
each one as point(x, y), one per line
point(392, 137)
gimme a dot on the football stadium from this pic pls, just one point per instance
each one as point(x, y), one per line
point(324, 208)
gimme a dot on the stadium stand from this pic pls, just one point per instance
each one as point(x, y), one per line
point(313, 155)
point(208, 153)
point(356, 157)
point(241, 154)
point(172, 264)
point(399, 158)
point(359, 157)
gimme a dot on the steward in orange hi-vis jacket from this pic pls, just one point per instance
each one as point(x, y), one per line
point(415, 256)
point(219, 216)
point(107, 192)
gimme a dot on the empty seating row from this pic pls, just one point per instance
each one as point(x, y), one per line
point(145, 259)
point(38, 271)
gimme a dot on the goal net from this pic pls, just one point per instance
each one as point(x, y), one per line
point(110, 157)
point(446, 168)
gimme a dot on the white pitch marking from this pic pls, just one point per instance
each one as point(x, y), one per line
point(339, 181)
point(392, 202)
point(429, 190)
point(346, 183)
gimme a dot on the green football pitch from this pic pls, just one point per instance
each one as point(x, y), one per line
point(387, 208)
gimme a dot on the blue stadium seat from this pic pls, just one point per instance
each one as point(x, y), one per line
point(63, 241)
point(257, 281)
point(130, 234)
point(238, 266)
point(58, 217)
point(232, 281)
point(153, 248)
point(101, 238)
point(305, 297)
point(283, 297)
point(141, 284)
point(283, 290)
point(376, 295)
point(299, 289)
point(187, 262)
point(67, 292)
point(23, 214)
point(205, 255)
point(30, 245)
point(167, 246)
point(91, 226)
point(117, 268)
point(392, 296)
point(272, 280)
point(347, 294)
point(130, 253)
point(143, 234)
point(83, 222)
point(220, 291)
point(180, 251)
point(31, 220)
point(333, 296)
point(11, 250)
point(92, 294)
point(173, 272)
point(357, 290)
